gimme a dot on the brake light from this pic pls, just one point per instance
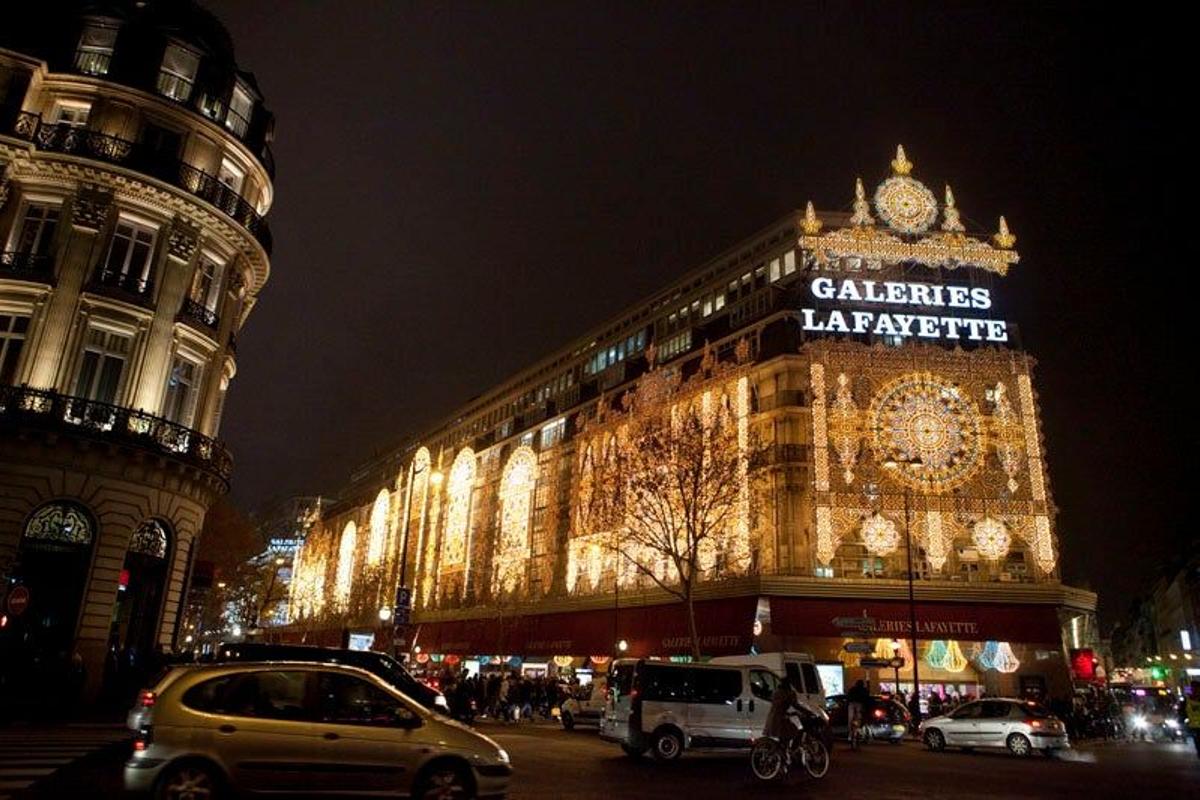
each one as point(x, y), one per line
point(1033, 723)
point(879, 713)
point(144, 738)
point(146, 698)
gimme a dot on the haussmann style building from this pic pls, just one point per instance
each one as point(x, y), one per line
point(871, 352)
point(135, 178)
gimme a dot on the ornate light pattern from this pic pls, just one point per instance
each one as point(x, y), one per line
point(307, 590)
point(929, 429)
point(516, 500)
point(820, 431)
point(59, 523)
point(344, 580)
point(937, 544)
point(904, 203)
point(150, 539)
point(951, 223)
point(844, 427)
point(879, 535)
point(862, 209)
point(998, 656)
point(991, 538)
point(458, 512)
point(945, 655)
point(1008, 435)
point(379, 528)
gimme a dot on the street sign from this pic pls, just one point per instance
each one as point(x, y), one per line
point(859, 647)
point(403, 597)
point(18, 600)
point(854, 623)
point(890, 663)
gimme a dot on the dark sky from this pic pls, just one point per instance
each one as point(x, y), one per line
point(464, 186)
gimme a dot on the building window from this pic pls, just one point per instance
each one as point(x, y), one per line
point(241, 105)
point(552, 434)
point(102, 366)
point(150, 539)
point(12, 339)
point(128, 261)
point(207, 282)
point(183, 384)
point(789, 262)
point(71, 112)
point(344, 579)
point(377, 542)
point(59, 523)
point(38, 225)
point(232, 176)
point(95, 50)
point(178, 72)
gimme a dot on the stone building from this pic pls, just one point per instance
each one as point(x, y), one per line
point(135, 177)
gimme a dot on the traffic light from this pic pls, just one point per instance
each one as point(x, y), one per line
point(1158, 673)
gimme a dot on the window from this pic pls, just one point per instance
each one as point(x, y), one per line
point(241, 105)
point(663, 683)
point(38, 225)
point(128, 261)
point(102, 366)
point(792, 670)
point(995, 709)
point(12, 339)
point(95, 50)
point(179, 405)
point(969, 711)
point(178, 72)
point(552, 434)
point(716, 685)
point(789, 262)
point(70, 112)
point(207, 281)
point(150, 539)
point(347, 700)
point(763, 683)
point(812, 680)
point(59, 523)
point(232, 176)
point(276, 694)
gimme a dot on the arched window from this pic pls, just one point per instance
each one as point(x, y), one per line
point(58, 525)
point(345, 565)
point(516, 501)
point(379, 528)
point(458, 513)
point(150, 539)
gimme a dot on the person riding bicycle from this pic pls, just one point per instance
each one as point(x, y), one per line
point(856, 704)
point(779, 725)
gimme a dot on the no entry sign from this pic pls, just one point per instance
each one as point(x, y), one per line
point(18, 600)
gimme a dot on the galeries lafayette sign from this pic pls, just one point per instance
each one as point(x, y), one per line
point(906, 310)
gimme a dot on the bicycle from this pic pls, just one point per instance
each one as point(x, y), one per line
point(770, 759)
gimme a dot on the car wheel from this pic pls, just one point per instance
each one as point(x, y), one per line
point(1019, 745)
point(668, 746)
point(189, 782)
point(568, 721)
point(633, 752)
point(934, 740)
point(443, 782)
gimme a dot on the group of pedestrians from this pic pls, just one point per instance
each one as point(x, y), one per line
point(510, 697)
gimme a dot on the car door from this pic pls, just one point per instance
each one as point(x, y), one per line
point(720, 702)
point(763, 683)
point(961, 729)
point(992, 725)
point(371, 738)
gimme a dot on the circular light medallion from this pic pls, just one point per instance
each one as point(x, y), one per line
point(926, 427)
point(879, 535)
point(905, 204)
point(991, 538)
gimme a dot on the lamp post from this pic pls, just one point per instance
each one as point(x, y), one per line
point(915, 706)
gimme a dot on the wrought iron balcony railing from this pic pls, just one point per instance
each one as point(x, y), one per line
point(123, 287)
point(73, 140)
point(198, 313)
point(21, 405)
point(26, 266)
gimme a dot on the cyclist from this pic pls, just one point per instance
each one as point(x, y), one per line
point(779, 726)
point(856, 704)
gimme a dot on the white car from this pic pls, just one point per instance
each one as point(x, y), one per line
point(1020, 725)
point(586, 706)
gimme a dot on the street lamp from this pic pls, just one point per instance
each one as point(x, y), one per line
point(385, 614)
point(622, 646)
point(912, 602)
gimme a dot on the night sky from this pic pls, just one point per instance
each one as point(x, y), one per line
point(463, 187)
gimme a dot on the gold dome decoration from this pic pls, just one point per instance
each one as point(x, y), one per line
point(903, 202)
point(811, 225)
point(950, 220)
point(1003, 238)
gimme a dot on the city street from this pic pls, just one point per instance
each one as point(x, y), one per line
point(552, 764)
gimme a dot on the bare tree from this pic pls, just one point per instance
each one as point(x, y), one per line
point(669, 477)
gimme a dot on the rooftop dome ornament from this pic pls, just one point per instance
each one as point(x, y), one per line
point(900, 164)
point(1003, 238)
point(862, 209)
point(810, 224)
point(950, 220)
point(903, 202)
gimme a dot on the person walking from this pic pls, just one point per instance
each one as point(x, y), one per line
point(1191, 715)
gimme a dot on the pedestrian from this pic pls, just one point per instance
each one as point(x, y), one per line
point(1191, 715)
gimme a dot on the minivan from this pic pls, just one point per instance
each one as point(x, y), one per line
point(799, 667)
point(667, 708)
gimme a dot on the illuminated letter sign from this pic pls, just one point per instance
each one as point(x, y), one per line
point(895, 308)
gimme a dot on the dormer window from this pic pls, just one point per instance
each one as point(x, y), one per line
point(241, 106)
point(94, 54)
point(178, 72)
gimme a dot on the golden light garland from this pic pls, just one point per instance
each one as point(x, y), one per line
point(458, 511)
point(344, 580)
point(516, 504)
point(378, 534)
point(844, 429)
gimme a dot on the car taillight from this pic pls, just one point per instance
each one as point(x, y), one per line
point(879, 713)
point(1033, 723)
point(144, 737)
point(146, 698)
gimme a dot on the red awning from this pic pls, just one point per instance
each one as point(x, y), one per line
point(725, 627)
point(802, 616)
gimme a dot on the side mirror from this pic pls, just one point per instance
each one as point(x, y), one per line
point(407, 719)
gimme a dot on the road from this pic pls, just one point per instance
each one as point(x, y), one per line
point(552, 764)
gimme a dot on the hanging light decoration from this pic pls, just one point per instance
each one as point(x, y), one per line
point(935, 653)
point(986, 657)
point(599, 661)
point(945, 655)
point(991, 538)
point(562, 662)
point(879, 535)
point(1005, 659)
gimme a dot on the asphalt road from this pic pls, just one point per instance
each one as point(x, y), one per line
point(552, 764)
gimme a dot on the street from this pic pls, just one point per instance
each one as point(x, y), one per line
point(552, 764)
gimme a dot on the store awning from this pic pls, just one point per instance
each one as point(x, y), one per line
point(802, 616)
point(725, 627)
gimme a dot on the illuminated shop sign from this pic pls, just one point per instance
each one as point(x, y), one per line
point(947, 304)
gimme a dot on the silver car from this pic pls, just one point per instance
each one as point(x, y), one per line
point(303, 729)
point(1019, 725)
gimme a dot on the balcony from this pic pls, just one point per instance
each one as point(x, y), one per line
point(26, 266)
point(49, 410)
point(128, 288)
point(198, 314)
point(76, 141)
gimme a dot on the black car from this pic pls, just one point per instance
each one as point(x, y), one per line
point(378, 664)
point(885, 718)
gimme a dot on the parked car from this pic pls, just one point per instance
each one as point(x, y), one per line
point(884, 718)
point(585, 705)
point(1020, 725)
point(668, 708)
point(291, 727)
point(799, 667)
point(379, 664)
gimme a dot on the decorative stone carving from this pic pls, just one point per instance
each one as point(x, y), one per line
point(182, 240)
point(3, 184)
point(91, 208)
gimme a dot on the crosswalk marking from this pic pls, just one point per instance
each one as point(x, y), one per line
point(28, 753)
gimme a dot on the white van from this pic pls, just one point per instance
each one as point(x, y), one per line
point(800, 667)
point(668, 708)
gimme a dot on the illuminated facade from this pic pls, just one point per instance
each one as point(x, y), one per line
point(135, 176)
point(872, 354)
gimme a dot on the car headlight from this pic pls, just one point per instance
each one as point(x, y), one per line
point(1139, 722)
point(502, 755)
point(1172, 723)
